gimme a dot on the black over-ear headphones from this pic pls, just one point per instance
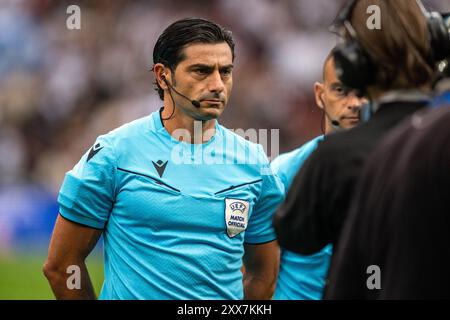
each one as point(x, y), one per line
point(354, 67)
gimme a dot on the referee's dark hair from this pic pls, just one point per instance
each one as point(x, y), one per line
point(401, 49)
point(169, 47)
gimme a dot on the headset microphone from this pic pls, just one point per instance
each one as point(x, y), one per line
point(195, 103)
point(335, 123)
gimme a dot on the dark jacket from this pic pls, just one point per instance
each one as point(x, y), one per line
point(320, 195)
point(400, 218)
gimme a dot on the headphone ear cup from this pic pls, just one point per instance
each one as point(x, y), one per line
point(439, 37)
point(353, 66)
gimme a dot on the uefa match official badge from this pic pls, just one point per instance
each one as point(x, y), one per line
point(236, 216)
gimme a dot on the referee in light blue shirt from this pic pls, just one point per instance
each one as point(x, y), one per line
point(179, 199)
point(303, 277)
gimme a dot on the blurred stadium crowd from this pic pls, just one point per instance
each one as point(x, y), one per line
point(60, 88)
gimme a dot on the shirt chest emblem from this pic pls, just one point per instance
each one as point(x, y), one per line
point(236, 216)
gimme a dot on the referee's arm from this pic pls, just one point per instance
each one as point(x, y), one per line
point(261, 270)
point(71, 243)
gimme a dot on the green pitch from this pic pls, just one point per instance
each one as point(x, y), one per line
point(21, 277)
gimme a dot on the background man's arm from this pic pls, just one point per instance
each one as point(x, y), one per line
point(71, 243)
point(261, 270)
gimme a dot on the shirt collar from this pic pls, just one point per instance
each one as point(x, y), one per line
point(401, 96)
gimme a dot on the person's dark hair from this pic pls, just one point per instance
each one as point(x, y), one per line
point(401, 49)
point(169, 47)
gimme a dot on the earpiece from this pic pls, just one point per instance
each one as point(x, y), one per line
point(194, 102)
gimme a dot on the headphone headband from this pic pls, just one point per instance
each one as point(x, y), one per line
point(353, 64)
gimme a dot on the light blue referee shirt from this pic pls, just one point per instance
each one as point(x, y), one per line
point(175, 215)
point(301, 277)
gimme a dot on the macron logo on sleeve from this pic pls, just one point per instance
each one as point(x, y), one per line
point(94, 150)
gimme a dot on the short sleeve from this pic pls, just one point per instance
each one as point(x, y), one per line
point(87, 193)
point(260, 229)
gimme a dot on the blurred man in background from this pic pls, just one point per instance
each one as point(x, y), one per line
point(302, 277)
point(322, 192)
point(174, 228)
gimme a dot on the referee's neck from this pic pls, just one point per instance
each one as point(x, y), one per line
point(187, 129)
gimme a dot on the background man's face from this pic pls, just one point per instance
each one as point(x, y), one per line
point(337, 102)
point(205, 75)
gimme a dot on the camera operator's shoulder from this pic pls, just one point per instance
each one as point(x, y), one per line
point(345, 145)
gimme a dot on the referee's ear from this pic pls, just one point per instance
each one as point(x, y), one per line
point(318, 92)
point(160, 74)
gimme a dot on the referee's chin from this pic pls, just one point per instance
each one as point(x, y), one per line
point(209, 113)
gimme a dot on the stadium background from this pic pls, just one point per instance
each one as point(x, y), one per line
point(60, 89)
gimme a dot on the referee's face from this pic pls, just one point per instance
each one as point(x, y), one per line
point(338, 103)
point(205, 74)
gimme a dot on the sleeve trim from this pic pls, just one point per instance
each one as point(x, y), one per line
point(258, 243)
point(82, 222)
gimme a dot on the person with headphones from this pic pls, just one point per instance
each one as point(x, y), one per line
point(179, 199)
point(394, 66)
point(398, 225)
point(302, 277)
point(395, 243)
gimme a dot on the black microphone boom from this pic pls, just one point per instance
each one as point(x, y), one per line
point(195, 103)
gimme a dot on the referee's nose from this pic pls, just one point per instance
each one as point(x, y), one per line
point(215, 82)
point(354, 103)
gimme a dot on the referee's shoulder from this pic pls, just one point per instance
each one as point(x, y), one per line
point(129, 130)
point(251, 153)
point(240, 141)
point(285, 162)
point(301, 151)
